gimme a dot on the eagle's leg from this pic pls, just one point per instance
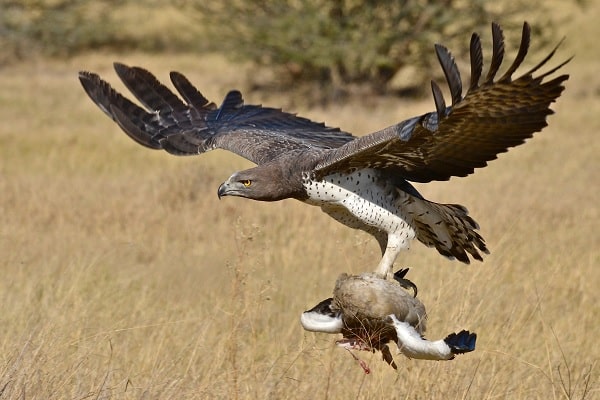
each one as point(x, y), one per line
point(391, 244)
point(385, 268)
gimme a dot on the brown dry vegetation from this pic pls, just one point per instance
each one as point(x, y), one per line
point(123, 276)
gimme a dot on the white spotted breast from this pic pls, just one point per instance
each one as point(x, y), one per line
point(369, 198)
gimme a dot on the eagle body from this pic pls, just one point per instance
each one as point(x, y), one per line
point(394, 212)
point(363, 200)
point(362, 182)
point(370, 199)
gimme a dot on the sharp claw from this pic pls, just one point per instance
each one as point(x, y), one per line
point(399, 276)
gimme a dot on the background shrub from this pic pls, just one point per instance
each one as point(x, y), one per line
point(346, 43)
point(335, 45)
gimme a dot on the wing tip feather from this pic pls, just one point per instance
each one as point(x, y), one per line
point(189, 92)
point(476, 56)
point(451, 72)
point(132, 130)
point(497, 52)
point(521, 54)
point(438, 99)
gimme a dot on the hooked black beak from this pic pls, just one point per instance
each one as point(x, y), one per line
point(222, 190)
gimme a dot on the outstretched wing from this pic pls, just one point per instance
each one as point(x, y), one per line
point(196, 125)
point(452, 141)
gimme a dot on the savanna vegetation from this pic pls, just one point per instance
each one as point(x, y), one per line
point(123, 275)
point(328, 48)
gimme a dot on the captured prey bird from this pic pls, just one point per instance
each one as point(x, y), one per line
point(370, 312)
point(362, 182)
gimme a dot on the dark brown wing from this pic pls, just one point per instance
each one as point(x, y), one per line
point(257, 133)
point(454, 140)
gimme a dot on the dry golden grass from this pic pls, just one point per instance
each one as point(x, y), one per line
point(125, 277)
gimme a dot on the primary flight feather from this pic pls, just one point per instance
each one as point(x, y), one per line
point(362, 182)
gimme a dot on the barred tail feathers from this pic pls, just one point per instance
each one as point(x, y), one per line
point(448, 228)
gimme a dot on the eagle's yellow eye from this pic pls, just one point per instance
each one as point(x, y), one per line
point(247, 182)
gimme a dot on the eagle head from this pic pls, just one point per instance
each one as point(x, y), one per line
point(263, 183)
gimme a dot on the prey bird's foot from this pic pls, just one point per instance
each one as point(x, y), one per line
point(353, 344)
point(360, 362)
point(462, 342)
point(387, 356)
point(399, 276)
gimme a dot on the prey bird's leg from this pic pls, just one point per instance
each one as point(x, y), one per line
point(360, 362)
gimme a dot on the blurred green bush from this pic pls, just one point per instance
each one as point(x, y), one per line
point(54, 27)
point(337, 44)
point(345, 44)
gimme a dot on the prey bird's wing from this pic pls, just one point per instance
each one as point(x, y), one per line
point(193, 125)
point(493, 116)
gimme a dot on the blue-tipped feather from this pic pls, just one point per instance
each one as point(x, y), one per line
point(462, 342)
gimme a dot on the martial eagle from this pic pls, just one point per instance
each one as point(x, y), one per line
point(370, 312)
point(362, 182)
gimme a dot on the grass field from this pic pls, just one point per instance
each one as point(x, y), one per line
point(125, 277)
